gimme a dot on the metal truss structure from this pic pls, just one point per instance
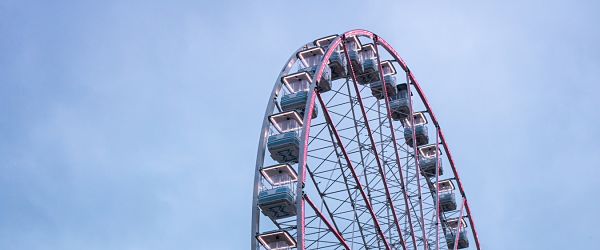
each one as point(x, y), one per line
point(363, 173)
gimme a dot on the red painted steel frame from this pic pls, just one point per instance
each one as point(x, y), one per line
point(324, 219)
point(311, 103)
point(374, 147)
point(353, 171)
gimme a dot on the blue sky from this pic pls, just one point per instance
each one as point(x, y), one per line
point(134, 124)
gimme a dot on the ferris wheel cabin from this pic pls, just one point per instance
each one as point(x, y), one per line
point(463, 241)
point(284, 144)
point(310, 59)
point(277, 200)
point(447, 197)
point(428, 160)
point(297, 84)
point(369, 64)
point(455, 225)
point(420, 129)
point(388, 78)
point(399, 104)
point(337, 61)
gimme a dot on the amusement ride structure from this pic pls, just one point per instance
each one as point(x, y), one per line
point(351, 156)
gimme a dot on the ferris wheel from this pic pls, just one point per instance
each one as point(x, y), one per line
point(351, 156)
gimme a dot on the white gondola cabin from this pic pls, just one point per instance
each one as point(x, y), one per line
point(400, 104)
point(454, 224)
point(447, 197)
point(390, 82)
point(420, 128)
point(277, 199)
point(370, 71)
point(297, 84)
point(428, 160)
point(283, 145)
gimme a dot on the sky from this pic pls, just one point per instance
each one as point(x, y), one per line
point(134, 124)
